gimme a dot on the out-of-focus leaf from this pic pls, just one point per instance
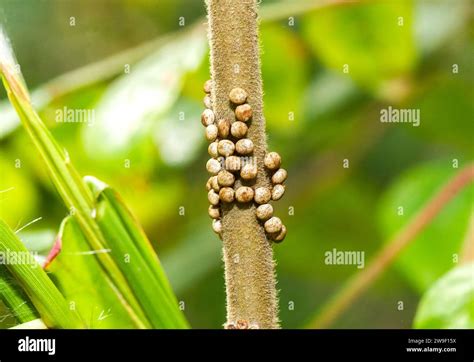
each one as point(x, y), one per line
point(199, 254)
point(449, 303)
point(366, 37)
point(9, 120)
point(178, 135)
point(435, 250)
point(151, 200)
point(328, 92)
point(285, 72)
point(18, 197)
point(83, 282)
point(135, 100)
point(446, 113)
point(435, 21)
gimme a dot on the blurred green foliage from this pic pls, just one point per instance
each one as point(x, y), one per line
point(437, 248)
point(317, 116)
point(450, 301)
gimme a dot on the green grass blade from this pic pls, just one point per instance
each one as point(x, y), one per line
point(15, 298)
point(136, 258)
point(79, 276)
point(67, 181)
point(44, 295)
point(142, 285)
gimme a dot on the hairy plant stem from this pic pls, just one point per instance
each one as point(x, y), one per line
point(361, 281)
point(248, 255)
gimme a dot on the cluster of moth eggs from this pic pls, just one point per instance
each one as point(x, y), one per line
point(229, 148)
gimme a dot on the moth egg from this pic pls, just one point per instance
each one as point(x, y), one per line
point(213, 197)
point(226, 194)
point(242, 324)
point(278, 192)
point(217, 226)
point(213, 166)
point(279, 176)
point(211, 132)
point(273, 225)
point(281, 235)
point(244, 194)
point(207, 102)
point(223, 127)
point(238, 129)
point(208, 86)
point(238, 96)
point(243, 112)
point(249, 171)
point(262, 195)
point(212, 149)
point(272, 160)
point(264, 212)
point(207, 117)
point(208, 185)
point(225, 148)
point(214, 183)
point(214, 212)
point(225, 178)
point(244, 146)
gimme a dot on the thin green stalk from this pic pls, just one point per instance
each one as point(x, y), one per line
point(44, 295)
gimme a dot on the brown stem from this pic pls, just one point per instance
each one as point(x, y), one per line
point(361, 281)
point(248, 255)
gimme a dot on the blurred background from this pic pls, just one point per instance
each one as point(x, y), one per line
point(329, 68)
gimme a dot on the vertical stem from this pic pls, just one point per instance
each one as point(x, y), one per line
point(248, 255)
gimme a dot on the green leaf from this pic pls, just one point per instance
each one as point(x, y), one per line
point(176, 136)
point(75, 194)
point(437, 22)
point(51, 305)
point(105, 222)
point(447, 104)
point(80, 278)
point(434, 251)
point(449, 303)
point(200, 249)
point(367, 37)
point(18, 196)
point(136, 258)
